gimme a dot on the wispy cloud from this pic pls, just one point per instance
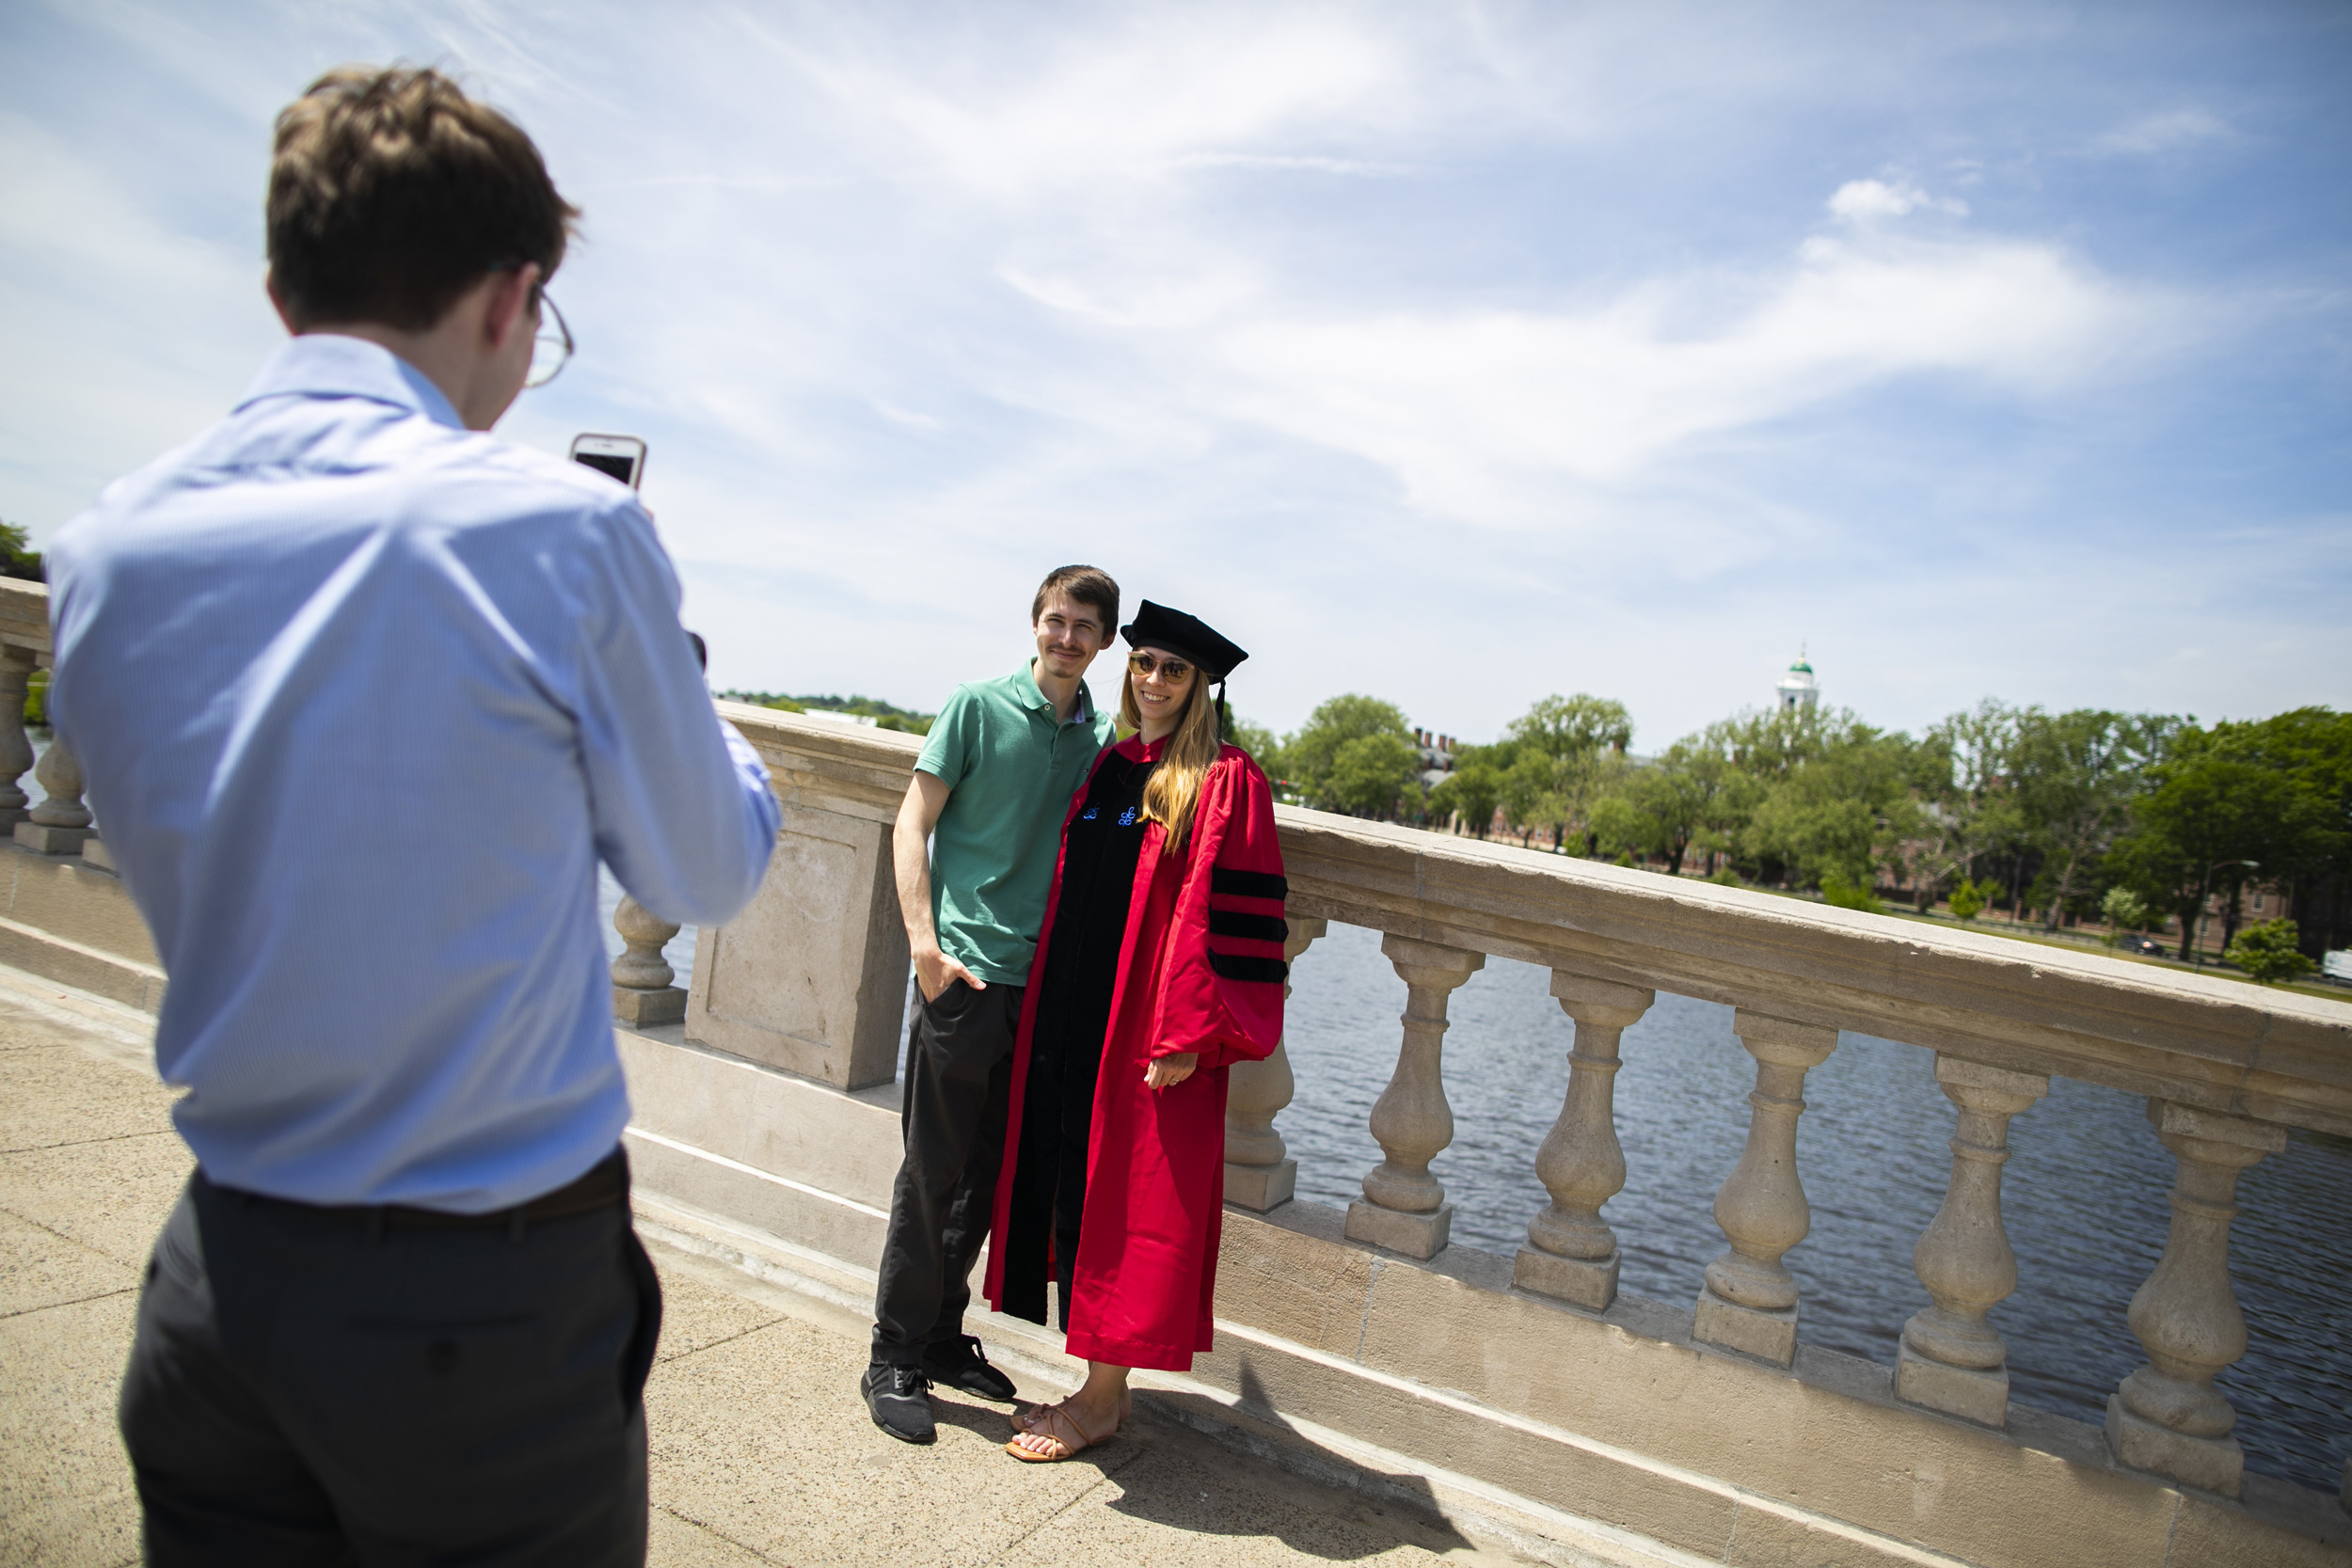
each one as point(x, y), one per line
point(2164, 131)
point(1865, 200)
point(1480, 415)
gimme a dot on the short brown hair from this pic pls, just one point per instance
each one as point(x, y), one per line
point(392, 193)
point(1088, 585)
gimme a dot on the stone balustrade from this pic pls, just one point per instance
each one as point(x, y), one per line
point(811, 979)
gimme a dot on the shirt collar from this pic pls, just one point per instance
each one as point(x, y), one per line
point(1024, 684)
point(328, 365)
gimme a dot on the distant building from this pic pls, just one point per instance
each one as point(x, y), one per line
point(1798, 687)
point(1437, 756)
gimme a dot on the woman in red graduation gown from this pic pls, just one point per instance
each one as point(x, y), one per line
point(1159, 966)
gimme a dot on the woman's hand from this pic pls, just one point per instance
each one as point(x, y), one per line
point(1166, 1071)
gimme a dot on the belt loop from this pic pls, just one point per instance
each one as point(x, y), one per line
point(515, 1223)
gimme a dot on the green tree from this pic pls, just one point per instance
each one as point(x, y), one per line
point(2312, 747)
point(1967, 812)
point(2270, 952)
point(17, 558)
point(2074, 778)
point(1264, 746)
point(2124, 909)
point(1839, 795)
point(1574, 726)
point(2217, 819)
point(1687, 795)
point(1529, 801)
point(1470, 791)
point(1371, 774)
point(1850, 896)
point(1570, 751)
point(1310, 756)
point(1967, 902)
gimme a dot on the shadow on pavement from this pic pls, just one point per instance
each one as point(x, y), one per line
point(1314, 1500)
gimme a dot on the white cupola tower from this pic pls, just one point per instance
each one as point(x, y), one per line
point(1798, 688)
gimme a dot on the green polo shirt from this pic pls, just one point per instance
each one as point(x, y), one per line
point(1013, 768)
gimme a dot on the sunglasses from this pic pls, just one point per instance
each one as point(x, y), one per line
point(1175, 671)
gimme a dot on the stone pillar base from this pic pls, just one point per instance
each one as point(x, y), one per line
point(643, 1007)
point(94, 851)
point(1764, 1333)
point(2216, 1464)
point(52, 841)
point(1973, 1394)
point(11, 816)
point(1414, 1235)
point(1260, 1187)
point(1587, 1282)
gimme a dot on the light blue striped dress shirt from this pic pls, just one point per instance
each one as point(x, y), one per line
point(362, 696)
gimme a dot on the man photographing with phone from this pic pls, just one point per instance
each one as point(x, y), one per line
point(363, 695)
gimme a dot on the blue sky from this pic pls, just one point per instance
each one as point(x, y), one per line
point(1457, 354)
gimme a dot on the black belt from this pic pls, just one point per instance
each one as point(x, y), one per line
point(605, 1184)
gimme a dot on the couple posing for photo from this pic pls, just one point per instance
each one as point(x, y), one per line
point(1097, 933)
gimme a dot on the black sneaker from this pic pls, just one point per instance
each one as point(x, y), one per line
point(897, 1399)
point(961, 1364)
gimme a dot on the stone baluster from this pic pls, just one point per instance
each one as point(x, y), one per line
point(1574, 1253)
point(1950, 1358)
point(16, 748)
point(1404, 1207)
point(58, 825)
point(1259, 1172)
point(2168, 1417)
point(1749, 1303)
point(641, 992)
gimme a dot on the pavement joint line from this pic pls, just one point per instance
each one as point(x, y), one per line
point(72, 1143)
point(77, 1301)
point(714, 1531)
point(73, 1242)
point(171, 1132)
point(739, 1333)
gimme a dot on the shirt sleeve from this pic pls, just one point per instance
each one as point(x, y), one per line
point(683, 808)
point(1223, 983)
point(954, 739)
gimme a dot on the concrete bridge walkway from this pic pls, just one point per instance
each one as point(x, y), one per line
point(761, 1451)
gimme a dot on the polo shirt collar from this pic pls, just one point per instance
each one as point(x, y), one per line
point(1032, 696)
point(328, 365)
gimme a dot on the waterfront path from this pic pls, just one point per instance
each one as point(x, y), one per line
point(761, 1450)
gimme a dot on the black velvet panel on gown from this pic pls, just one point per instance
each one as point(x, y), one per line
point(1073, 1014)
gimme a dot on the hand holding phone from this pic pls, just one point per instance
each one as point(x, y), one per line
point(621, 458)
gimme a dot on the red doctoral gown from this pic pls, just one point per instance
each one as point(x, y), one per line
point(1199, 968)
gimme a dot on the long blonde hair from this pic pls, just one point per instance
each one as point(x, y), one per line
point(1173, 790)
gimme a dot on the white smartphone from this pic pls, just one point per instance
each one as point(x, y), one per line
point(622, 457)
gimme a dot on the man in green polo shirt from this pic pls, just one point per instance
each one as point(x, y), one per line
point(989, 793)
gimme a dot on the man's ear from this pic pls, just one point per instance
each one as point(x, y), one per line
point(278, 301)
point(508, 308)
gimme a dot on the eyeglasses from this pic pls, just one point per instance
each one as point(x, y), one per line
point(1175, 671)
point(550, 346)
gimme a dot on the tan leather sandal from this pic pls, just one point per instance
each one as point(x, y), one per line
point(1050, 1421)
point(1033, 1418)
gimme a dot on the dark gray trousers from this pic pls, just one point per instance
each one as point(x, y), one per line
point(958, 1081)
point(312, 1387)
